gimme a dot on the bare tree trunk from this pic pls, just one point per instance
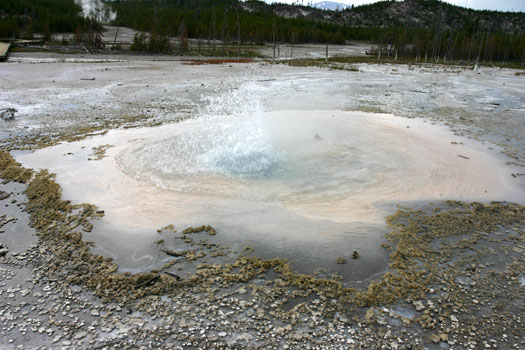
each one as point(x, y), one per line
point(238, 34)
point(452, 50)
point(273, 35)
point(115, 40)
point(278, 43)
point(470, 46)
point(480, 47)
point(396, 46)
point(446, 52)
point(486, 51)
point(437, 47)
point(418, 43)
point(426, 49)
point(380, 48)
point(507, 49)
point(293, 39)
point(224, 31)
point(392, 43)
point(214, 29)
point(402, 45)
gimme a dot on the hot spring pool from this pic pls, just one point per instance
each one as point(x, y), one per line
point(309, 186)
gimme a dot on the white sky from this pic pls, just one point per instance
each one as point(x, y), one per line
point(501, 5)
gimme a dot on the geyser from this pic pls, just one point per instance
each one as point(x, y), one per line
point(96, 9)
point(305, 185)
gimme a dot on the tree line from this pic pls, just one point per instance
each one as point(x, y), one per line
point(233, 22)
point(226, 21)
point(221, 20)
point(439, 45)
point(24, 18)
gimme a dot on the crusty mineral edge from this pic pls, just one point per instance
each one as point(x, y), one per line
point(413, 264)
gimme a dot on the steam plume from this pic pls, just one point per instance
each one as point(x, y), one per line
point(97, 9)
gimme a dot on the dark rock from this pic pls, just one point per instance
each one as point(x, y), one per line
point(8, 113)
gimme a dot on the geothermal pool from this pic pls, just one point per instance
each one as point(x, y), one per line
point(309, 186)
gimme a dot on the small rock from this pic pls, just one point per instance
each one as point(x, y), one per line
point(419, 305)
point(57, 338)
point(297, 336)
point(80, 335)
point(7, 113)
point(435, 338)
point(369, 314)
point(245, 336)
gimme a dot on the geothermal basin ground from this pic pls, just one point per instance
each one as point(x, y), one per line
point(293, 171)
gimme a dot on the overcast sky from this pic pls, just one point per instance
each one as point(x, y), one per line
point(501, 5)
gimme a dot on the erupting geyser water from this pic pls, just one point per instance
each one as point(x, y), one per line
point(236, 150)
point(224, 141)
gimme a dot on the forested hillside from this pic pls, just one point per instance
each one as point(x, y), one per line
point(218, 20)
point(23, 18)
point(421, 29)
point(429, 14)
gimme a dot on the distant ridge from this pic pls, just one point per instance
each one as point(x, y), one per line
point(422, 14)
point(331, 5)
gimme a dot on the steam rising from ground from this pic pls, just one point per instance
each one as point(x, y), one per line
point(97, 9)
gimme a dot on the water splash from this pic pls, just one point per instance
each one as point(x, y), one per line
point(229, 138)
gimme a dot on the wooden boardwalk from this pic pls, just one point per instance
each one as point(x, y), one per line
point(4, 47)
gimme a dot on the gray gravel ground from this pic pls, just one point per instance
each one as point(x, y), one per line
point(476, 299)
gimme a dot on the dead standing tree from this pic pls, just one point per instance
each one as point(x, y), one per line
point(238, 33)
point(183, 41)
point(273, 36)
point(224, 24)
point(90, 34)
point(214, 29)
point(293, 42)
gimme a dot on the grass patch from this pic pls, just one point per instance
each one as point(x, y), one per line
point(198, 62)
point(326, 63)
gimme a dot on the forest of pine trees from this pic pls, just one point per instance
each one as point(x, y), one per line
point(446, 45)
point(23, 18)
point(227, 21)
point(218, 20)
